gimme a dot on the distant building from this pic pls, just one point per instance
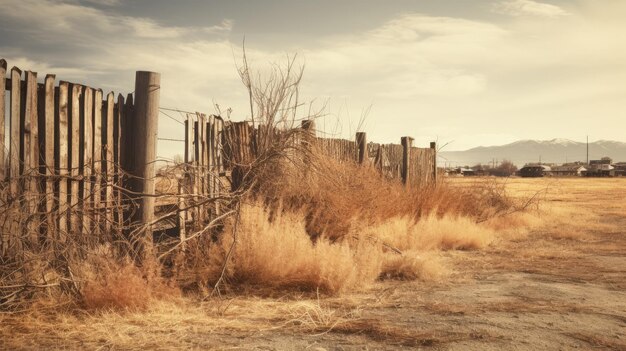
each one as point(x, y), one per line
point(601, 168)
point(620, 169)
point(466, 172)
point(568, 171)
point(602, 161)
point(534, 171)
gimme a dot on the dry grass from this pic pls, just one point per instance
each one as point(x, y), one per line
point(193, 324)
point(279, 253)
point(304, 229)
point(413, 265)
point(119, 284)
point(433, 233)
point(434, 311)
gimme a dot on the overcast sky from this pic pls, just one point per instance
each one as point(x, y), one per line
point(472, 73)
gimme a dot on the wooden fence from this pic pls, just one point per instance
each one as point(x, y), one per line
point(81, 162)
point(232, 146)
point(68, 157)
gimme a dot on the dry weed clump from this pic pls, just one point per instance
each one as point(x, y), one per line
point(279, 253)
point(432, 233)
point(117, 288)
point(413, 265)
point(120, 284)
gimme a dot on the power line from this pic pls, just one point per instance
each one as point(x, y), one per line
point(172, 118)
point(170, 139)
point(176, 110)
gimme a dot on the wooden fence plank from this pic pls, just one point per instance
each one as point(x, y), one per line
point(361, 142)
point(15, 160)
point(4, 239)
point(3, 73)
point(433, 147)
point(203, 165)
point(188, 140)
point(62, 156)
point(122, 113)
point(210, 161)
point(218, 129)
point(31, 155)
point(196, 169)
point(97, 161)
point(107, 140)
point(406, 159)
point(46, 135)
point(86, 159)
point(128, 156)
point(74, 164)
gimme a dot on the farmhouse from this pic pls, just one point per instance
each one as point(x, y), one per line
point(620, 169)
point(568, 171)
point(533, 171)
point(601, 168)
point(467, 172)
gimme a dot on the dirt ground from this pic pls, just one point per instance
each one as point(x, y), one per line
point(560, 286)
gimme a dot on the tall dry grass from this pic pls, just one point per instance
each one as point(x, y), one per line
point(335, 226)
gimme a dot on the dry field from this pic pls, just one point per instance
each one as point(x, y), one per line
point(549, 278)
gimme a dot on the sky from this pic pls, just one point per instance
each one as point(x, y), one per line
point(462, 73)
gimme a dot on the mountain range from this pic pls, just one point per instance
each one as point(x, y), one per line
point(533, 151)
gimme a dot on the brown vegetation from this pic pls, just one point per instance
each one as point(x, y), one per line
point(527, 288)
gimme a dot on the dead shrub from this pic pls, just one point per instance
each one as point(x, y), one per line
point(120, 288)
point(413, 266)
point(110, 283)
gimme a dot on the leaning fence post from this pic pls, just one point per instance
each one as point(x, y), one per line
point(433, 146)
point(141, 142)
point(361, 144)
point(407, 143)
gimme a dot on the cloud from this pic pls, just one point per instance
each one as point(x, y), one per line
point(50, 20)
point(427, 76)
point(528, 8)
point(410, 56)
point(104, 2)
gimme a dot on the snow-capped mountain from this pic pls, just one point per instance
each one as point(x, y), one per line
point(529, 151)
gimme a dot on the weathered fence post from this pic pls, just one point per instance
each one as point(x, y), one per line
point(433, 146)
point(361, 145)
point(407, 143)
point(309, 133)
point(141, 142)
point(308, 126)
